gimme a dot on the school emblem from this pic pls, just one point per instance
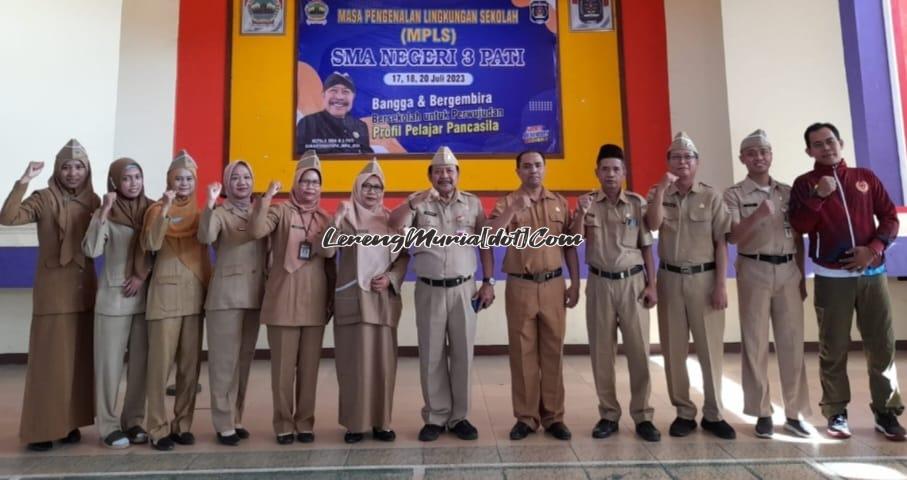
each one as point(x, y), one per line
point(863, 186)
point(538, 11)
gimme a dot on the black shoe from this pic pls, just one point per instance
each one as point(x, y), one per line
point(887, 424)
point(229, 440)
point(183, 438)
point(837, 426)
point(116, 440)
point(74, 436)
point(243, 433)
point(305, 437)
point(285, 439)
point(647, 431)
point(520, 431)
point(799, 428)
point(559, 431)
point(40, 446)
point(720, 429)
point(137, 435)
point(681, 427)
point(353, 437)
point(163, 445)
point(764, 427)
point(383, 435)
point(605, 428)
point(430, 433)
point(464, 430)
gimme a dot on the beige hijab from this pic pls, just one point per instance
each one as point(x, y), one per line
point(72, 208)
point(241, 206)
point(370, 261)
point(131, 213)
point(307, 213)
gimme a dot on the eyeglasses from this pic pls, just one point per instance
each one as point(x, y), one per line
point(310, 183)
point(371, 187)
point(688, 157)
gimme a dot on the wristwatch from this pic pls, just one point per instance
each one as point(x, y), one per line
point(489, 280)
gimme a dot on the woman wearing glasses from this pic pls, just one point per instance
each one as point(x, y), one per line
point(367, 309)
point(297, 302)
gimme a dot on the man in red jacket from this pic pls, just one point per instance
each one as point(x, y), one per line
point(837, 206)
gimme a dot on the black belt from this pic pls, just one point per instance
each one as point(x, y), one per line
point(616, 275)
point(773, 259)
point(705, 267)
point(539, 277)
point(445, 282)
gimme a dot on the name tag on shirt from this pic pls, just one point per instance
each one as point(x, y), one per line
point(750, 205)
point(430, 214)
point(668, 204)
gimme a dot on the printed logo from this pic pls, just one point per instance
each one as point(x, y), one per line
point(862, 186)
point(316, 12)
point(536, 134)
point(538, 11)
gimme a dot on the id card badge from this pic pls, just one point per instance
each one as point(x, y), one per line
point(788, 233)
point(305, 251)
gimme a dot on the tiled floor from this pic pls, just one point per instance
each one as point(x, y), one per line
point(493, 455)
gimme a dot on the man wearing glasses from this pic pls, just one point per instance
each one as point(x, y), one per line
point(838, 207)
point(692, 221)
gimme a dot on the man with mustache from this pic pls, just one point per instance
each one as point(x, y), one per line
point(851, 221)
point(334, 130)
point(446, 297)
point(771, 288)
point(537, 299)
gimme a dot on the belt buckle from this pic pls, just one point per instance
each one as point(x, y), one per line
point(686, 270)
point(622, 275)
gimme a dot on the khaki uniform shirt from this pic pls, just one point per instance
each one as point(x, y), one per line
point(772, 235)
point(301, 298)
point(691, 225)
point(616, 232)
point(239, 272)
point(113, 240)
point(550, 211)
point(463, 215)
point(174, 291)
point(354, 305)
point(58, 288)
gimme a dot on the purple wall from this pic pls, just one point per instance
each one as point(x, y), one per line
point(869, 84)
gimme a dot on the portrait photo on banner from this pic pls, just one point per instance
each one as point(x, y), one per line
point(403, 77)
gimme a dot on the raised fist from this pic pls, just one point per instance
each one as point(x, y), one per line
point(32, 171)
point(826, 186)
point(273, 189)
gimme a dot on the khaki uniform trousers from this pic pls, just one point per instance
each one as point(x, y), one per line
point(835, 301)
point(684, 307)
point(536, 324)
point(446, 329)
point(770, 294)
point(295, 355)
point(113, 335)
point(613, 305)
point(229, 332)
point(173, 339)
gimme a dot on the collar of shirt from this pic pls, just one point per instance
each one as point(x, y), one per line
point(749, 186)
point(600, 196)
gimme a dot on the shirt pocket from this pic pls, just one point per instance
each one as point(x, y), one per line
point(630, 237)
point(346, 306)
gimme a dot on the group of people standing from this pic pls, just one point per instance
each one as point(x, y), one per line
point(158, 286)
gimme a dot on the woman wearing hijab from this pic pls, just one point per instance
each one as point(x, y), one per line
point(174, 307)
point(234, 298)
point(297, 299)
point(367, 307)
point(119, 312)
point(59, 381)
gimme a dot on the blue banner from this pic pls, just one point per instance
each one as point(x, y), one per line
point(407, 76)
